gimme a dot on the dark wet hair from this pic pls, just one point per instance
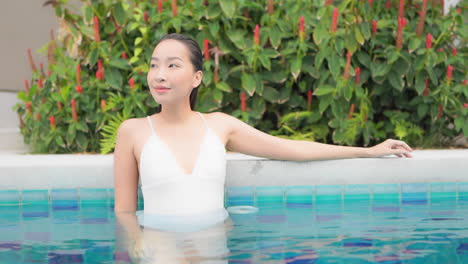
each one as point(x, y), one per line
point(196, 57)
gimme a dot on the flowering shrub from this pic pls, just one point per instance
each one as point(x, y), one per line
point(354, 72)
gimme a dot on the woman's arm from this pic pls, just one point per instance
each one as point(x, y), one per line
point(125, 170)
point(248, 140)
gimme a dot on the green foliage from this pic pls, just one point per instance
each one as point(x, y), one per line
point(390, 98)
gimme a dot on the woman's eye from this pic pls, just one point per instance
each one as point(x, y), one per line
point(152, 65)
point(173, 64)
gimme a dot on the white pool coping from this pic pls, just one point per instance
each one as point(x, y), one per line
point(22, 171)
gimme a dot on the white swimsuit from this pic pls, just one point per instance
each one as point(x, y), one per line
point(175, 200)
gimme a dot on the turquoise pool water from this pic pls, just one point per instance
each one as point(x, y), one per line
point(388, 224)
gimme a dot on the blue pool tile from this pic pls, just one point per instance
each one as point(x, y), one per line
point(357, 192)
point(328, 193)
point(414, 193)
point(240, 195)
point(9, 197)
point(93, 196)
point(414, 188)
point(462, 191)
point(440, 192)
point(269, 194)
point(35, 196)
point(64, 194)
point(299, 194)
point(387, 192)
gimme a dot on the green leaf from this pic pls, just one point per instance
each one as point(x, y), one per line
point(275, 37)
point(223, 87)
point(358, 35)
point(414, 44)
point(265, 61)
point(324, 89)
point(364, 58)
point(465, 128)
point(422, 110)
point(114, 78)
point(420, 84)
point(334, 64)
point(237, 37)
point(348, 91)
point(138, 51)
point(296, 65)
point(365, 30)
point(396, 80)
point(320, 33)
point(228, 7)
point(119, 13)
point(120, 63)
point(380, 69)
point(324, 102)
point(270, 94)
point(138, 41)
point(459, 122)
point(248, 83)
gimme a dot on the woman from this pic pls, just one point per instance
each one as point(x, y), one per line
point(179, 154)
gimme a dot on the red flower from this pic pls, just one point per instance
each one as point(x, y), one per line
point(52, 122)
point(426, 89)
point(146, 17)
point(38, 117)
point(449, 73)
point(29, 106)
point(103, 104)
point(388, 5)
point(41, 67)
point(26, 85)
point(79, 89)
point(422, 18)
point(374, 27)
point(97, 37)
point(401, 9)
point(401, 24)
point(49, 73)
point(458, 10)
point(358, 75)
point(465, 105)
point(301, 28)
point(348, 65)
point(465, 82)
point(31, 61)
point(257, 35)
point(160, 7)
point(351, 111)
point(440, 111)
point(271, 7)
point(74, 111)
point(440, 49)
point(78, 74)
point(309, 99)
point(428, 41)
point(124, 55)
point(100, 71)
point(243, 102)
point(131, 82)
point(328, 2)
point(206, 49)
point(370, 3)
point(174, 8)
point(334, 23)
point(454, 52)
point(40, 84)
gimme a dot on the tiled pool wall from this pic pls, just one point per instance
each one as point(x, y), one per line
point(300, 196)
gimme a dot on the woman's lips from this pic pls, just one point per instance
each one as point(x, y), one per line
point(161, 90)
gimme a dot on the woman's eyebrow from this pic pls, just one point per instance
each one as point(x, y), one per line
point(168, 59)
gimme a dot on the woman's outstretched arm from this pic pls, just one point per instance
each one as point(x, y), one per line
point(246, 139)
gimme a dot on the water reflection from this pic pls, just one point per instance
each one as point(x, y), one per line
point(146, 244)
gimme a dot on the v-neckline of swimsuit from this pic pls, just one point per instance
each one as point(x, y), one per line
point(171, 153)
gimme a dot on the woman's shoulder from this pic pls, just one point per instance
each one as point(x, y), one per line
point(127, 127)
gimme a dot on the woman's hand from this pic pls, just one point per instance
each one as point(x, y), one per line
point(389, 147)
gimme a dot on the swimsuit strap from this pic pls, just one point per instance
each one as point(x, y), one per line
point(151, 125)
point(204, 120)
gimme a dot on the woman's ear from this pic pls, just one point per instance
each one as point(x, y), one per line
point(197, 79)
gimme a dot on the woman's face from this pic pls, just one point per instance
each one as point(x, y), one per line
point(171, 68)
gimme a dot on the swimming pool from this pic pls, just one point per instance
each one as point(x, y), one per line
point(375, 223)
